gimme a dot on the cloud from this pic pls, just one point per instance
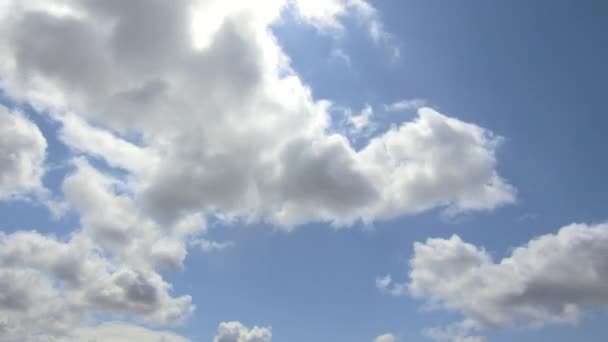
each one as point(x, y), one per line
point(361, 120)
point(202, 116)
point(457, 332)
point(120, 332)
point(339, 55)
point(405, 105)
point(551, 279)
point(109, 331)
point(386, 284)
point(386, 338)
point(100, 143)
point(237, 332)
point(110, 265)
point(326, 16)
point(237, 131)
point(53, 286)
point(22, 154)
point(209, 246)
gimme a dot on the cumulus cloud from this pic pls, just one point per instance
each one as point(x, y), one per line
point(120, 332)
point(551, 279)
point(386, 338)
point(237, 130)
point(237, 332)
point(22, 154)
point(109, 266)
point(50, 286)
point(202, 115)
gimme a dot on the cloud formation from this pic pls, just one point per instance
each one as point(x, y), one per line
point(120, 332)
point(177, 111)
point(551, 279)
point(237, 332)
point(50, 286)
point(237, 130)
point(22, 154)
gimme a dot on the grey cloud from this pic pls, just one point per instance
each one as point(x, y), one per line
point(237, 332)
point(67, 50)
point(22, 155)
point(237, 131)
point(322, 178)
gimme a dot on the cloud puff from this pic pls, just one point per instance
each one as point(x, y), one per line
point(202, 115)
point(386, 338)
point(237, 131)
point(386, 284)
point(551, 279)
point(51, 286)
point(22, 154)
point(120, 332)
point(456, 332)
point(109, 331)
point(327, 15)
point(404, 105)
point(237, 332)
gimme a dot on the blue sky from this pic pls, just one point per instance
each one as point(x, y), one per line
point(304, 257)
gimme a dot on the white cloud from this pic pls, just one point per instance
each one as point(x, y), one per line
point(551, 279)
point(322, 14)
point(120, 332)
point(386, 284)
point(52, 286)
point(405, 105)
point(109, 331)
point(209, 246)
point(435, 161)
point(457, 332)
point(361, 120)
point(98, 142)
point(327, 17)
point(340, 55)
point(386, 338)
point(22, 154)
point(223, 126)
point(237, 131)
point(237, 332)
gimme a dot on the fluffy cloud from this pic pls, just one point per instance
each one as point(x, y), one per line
point(199, 116)
point(237, 131)
point(361, 120)
point(51, 286)
point(551, 279)
point(22, 153)
point(315, 178)
point(456, 332)
point(237, 332)
point(109, 331)
point(386, 338)
point(326, 15)
point(120, 332)
point(109, 266)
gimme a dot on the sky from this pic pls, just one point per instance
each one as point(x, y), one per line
point(303, 170)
